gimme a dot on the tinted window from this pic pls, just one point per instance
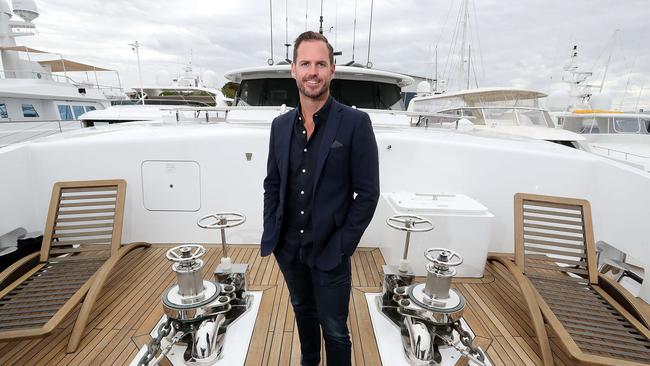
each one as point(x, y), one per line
point(3, 111)
point(29, 111)
point(78, 110)
point(362, 94)
point(90, 108)
point(65, 113)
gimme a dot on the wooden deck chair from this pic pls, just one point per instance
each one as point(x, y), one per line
point(597, 321)
point(81, 246)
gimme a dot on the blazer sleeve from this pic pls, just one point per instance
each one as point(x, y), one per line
point(364, 171)
point(271, 186)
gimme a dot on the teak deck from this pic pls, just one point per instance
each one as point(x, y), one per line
point(130, 306)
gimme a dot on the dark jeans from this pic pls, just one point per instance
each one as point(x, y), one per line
point(320, 300)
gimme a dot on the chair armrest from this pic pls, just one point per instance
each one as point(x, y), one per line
point(19, 268)
point(625, 299)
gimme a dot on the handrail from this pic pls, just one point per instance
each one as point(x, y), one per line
point(609, 150)
point(40, 75)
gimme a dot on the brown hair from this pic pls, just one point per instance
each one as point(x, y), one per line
point(312, 36)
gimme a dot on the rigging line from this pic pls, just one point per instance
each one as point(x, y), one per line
point(479, 49)
point(442, 32)
point(450, 65)
point(306, 11)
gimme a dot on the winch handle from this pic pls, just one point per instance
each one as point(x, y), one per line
point(408, 223)
point(432, 255)
point(175, 254)
point(221, 220)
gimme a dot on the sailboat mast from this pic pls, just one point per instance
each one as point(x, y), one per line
point(461, 70)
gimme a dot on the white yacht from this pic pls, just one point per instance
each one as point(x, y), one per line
point(154, 102)
point(499, 110)
point(209, 162)
point(38, 98)
point(619, 135)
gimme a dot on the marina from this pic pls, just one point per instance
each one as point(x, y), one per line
point(507, 230)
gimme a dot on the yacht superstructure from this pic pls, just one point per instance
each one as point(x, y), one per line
point(500, 110)
point(35, 99)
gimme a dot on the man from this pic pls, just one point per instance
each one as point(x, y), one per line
point(320, 193)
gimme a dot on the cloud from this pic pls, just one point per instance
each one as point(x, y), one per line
point(514, 43)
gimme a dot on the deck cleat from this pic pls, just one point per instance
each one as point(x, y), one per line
point(428, 314)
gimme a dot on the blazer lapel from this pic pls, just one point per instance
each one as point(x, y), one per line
point(284, 144)
point(333, 122)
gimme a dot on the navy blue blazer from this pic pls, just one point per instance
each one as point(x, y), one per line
point(346, 164)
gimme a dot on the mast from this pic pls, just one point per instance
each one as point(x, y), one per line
point(368, 63)
point(270, 60)
point(461, 71)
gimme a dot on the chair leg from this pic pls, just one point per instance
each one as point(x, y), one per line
point(93, 294)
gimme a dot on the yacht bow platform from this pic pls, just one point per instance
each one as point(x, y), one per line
point(130, 307)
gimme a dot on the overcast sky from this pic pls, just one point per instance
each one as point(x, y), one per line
point(519, 43)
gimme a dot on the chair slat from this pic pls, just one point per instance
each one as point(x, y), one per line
point(559, 268)
point(543, 212)
point(552, 220)
point(83, 226)
point(87, 196)
point(87, 204)
point(79, 234)
point(85, 218)
point(553, 236)
point(554, 228)
point(554, 244)
point(89, 189)
point(89, 248)
point(89, 211)
point(565, 253)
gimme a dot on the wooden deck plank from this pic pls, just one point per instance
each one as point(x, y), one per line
point(130, 306)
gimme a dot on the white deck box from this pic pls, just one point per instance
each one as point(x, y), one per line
point(460, 224)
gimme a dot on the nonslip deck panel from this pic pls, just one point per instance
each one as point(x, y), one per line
point(130, 306)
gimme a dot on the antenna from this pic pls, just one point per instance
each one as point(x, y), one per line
point(354, 32)
point(270, 60)
point(306, 11)
point(320, 29)
point(368, 63)
point(286, 30)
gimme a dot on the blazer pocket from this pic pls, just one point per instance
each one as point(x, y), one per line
point(336, 144)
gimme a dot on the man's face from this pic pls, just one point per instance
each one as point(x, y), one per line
point(312, 70)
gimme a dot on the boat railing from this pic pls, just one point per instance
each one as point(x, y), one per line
point(14, 132)
point(22, 74)
point(625, 154)
point(217, 113)
point(40, 75)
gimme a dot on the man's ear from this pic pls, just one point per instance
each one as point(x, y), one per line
point(293, 70)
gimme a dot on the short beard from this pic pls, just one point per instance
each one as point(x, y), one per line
point(316, 96)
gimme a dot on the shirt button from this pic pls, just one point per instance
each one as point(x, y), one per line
point(305, 150)
point(302, 212)
point(302, 231)
point(302, 192)
point(304, 170)
point(304, 132)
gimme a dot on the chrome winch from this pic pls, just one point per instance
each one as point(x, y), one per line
point(199, 311)
point(428, 314)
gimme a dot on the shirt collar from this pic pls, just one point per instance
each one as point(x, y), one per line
point(321, 115)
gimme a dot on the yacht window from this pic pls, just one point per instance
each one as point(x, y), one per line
point(626, 125)
point(90, 108)
point(3, 111)
point(533, 117)
point(499, 116)
point(29, 111)
point(646, 125)
point(78, 110)
point(278, 91)
point(65, 113)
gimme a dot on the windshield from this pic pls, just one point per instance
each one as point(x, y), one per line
point(504, 116)
point(618, 124)
point(361, 94)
